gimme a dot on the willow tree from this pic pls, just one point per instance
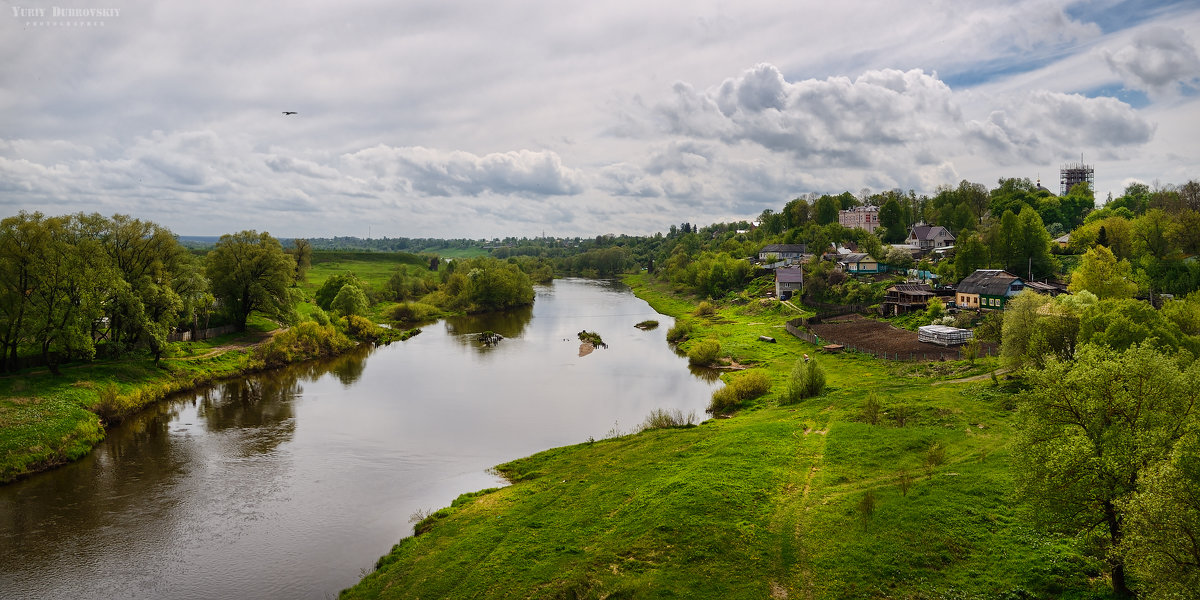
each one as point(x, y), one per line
point(250, 272)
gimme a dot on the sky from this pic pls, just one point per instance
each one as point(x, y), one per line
point(449, 118)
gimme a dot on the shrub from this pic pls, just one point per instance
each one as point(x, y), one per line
point(593, 338)
point(302, 342)
point(413, 312)
point(706, 309)
point(319, 316)
point(361, 328)
point(807, 381)
point(871, 409)
point(935, 457)
point(110, 406)
point(704, 353)
point(647, 325)
point(746, 386)
point(680, 332)
point(665, 419)
point(936, 309)
point(970, 350)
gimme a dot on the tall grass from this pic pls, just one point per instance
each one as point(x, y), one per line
point(665, 419)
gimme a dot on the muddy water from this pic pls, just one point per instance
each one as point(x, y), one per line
point(290, 484)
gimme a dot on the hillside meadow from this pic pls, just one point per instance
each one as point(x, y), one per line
point(807, 500)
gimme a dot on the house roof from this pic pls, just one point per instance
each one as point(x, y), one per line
point(929, 232)
point(1052, 289)
point(855, 257)
point(987, 282)
point(784, 248)
point(912, 289)
point(791, 275)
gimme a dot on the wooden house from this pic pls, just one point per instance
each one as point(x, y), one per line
point(987, 289)
point(857, 262)
point(904, 298)
point(788, 282)
point(785, 252)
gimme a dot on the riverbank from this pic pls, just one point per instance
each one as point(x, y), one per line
point(816, 500)
point(48, 420)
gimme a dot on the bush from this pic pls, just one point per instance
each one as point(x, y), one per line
point(361, 328)
point(936, 309)
point(680, 332)
point(302, 342)
point(871, 409)
point(807, 381)
point(319, 316)
point(706, 309)
point(665, 419)
point(704, 353)
point(747, 386)
point(413, 312)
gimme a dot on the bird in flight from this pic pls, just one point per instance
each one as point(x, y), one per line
point(290, 112)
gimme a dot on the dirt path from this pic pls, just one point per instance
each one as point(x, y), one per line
point(247, 341)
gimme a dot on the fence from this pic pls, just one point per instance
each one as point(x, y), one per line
point(203, 334)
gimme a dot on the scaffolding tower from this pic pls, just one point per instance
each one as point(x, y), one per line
point(1075, 173)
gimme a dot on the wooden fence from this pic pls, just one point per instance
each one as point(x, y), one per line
point(203, 334)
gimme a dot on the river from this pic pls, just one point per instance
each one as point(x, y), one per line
point(291, 484)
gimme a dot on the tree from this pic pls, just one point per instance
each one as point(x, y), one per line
point(1021, 315)
point(1162, 543)
point(1086, 430)
point(350, 300)
point(250, 272)
point(827, 210)
point(892, 222)
point(1103, 275)
point(971, 255)
point(301, 252)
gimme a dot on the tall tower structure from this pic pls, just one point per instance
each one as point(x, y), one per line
point(1075, 173)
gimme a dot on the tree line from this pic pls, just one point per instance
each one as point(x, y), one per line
point(85, 285)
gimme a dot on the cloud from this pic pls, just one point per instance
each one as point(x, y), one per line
point(457, 173)
point(835, 121)
point(1042, 126)
point(1159, 60)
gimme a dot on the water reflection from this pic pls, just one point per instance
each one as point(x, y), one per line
point(286, 484)
point(510, 324)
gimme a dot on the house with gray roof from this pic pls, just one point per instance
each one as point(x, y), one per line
point(788, 282)
point(987, 289)
point(928, 237)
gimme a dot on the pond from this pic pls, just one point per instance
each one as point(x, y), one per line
point(291, 484)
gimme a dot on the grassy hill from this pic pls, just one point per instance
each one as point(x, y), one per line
point(795, 501)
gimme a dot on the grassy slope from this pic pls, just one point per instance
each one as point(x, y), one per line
point(769, 503)
point(45, 419)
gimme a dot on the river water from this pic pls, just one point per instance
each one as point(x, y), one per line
point(290, 484)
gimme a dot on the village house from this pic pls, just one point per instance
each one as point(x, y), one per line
point(862, 217)
point(857, 262)
point(784, 252)
point(904, 298)
point(788, 282)
point(928, 237)
point(987, 289)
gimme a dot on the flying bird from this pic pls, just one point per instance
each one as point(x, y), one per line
point(290, 112)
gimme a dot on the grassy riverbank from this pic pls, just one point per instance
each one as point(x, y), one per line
point(796, 501)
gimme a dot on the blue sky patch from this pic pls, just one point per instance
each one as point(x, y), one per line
point(1134, 98)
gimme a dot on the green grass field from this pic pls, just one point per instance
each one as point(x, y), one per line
point(792, 501)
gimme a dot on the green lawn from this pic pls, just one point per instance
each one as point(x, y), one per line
point(795, 501)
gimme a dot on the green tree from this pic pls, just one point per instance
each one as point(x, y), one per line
point(892, 221)
point(1162, 541)
point(827, 210)
point(301, 252)
point(1088, 427)
point(23, 239)
point(250, 272)
point(1021, 316)
point(350, 300)
point(1103, 275)
point(330, 287)
point(971, 256)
